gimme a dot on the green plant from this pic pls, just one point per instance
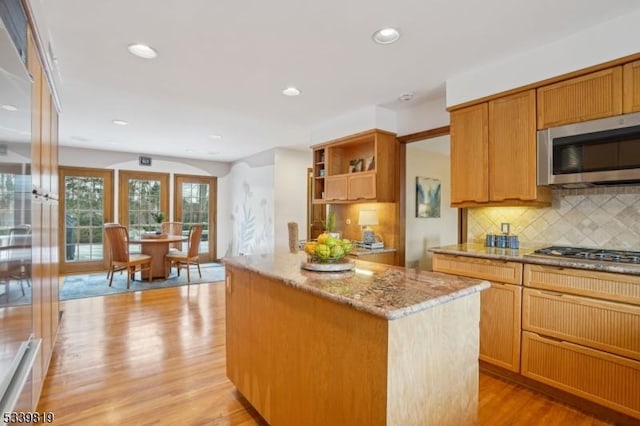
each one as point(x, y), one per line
point(330, 224)
point(158, 216)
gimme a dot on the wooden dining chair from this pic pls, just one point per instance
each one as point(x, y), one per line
point(107, 247)
point(183, 259)
point(121, 260)
point(173, 228)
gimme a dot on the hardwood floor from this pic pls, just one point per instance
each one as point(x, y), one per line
point(158, 358)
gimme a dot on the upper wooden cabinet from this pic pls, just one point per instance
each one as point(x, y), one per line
point(493, 154)
point(469, 155)
point(631, 87)
point(362, 167)
point(588, 97)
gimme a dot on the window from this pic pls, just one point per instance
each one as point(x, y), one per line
point(140, 195)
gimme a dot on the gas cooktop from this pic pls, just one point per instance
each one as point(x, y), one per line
point(622, 256)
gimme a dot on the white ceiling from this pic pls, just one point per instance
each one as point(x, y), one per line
point(223, 64)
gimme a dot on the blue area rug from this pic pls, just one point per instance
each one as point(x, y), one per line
point(90, 285)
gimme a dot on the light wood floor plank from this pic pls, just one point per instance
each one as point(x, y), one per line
point(158, 358)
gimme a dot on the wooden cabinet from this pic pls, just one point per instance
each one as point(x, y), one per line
point(606, 379)
point(44, 216)
point(631, 87)
point(493, 154)
point(237, 312)
point(470, 155)
point(388, 258)
point(301, 358)
point(336, 188)
point(362, 167)
point(574, 321)
point(588, 97)
point(500, 306)
point(512, 150)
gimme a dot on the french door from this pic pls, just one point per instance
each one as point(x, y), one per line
point(86, 204)
point(196, 204)
point(140, 194)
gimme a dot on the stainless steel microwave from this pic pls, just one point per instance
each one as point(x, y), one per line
point(597, 152)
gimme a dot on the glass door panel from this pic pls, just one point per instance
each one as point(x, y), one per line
point(196, 204)
point(87, 205)
point(142, 194)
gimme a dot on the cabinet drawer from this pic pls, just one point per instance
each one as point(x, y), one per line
point(609, 326)
point(606, 379)
point(603, 285)
point(487, 269)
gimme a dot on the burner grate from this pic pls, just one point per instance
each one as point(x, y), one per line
point(604, 255)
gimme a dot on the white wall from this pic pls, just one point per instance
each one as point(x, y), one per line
point(372, 117)
point(423, 116)
point(601, 43)
point(290, 198)
point(423, 233)
point(248, 206)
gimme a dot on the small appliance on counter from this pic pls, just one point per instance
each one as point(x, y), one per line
point(370, 245)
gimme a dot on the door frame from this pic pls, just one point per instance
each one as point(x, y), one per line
point(212, 181)
point(402, 204)
point(63, 172)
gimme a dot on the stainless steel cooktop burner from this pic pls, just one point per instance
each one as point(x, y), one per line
point(621, 256)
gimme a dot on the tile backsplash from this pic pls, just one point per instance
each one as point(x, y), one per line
point(603, 217)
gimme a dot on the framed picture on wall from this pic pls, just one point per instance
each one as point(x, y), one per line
point(428, 197)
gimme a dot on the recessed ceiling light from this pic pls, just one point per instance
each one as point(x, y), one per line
point(291, 91)
point(9, 107)
point(386, 36)
point(212, 153)
point(406, 96)
point(142, 51)
point(215, 137)
point(120, 122)
point(189, 151)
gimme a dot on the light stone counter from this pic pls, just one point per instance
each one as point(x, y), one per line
point(525, 255)
point(382, 290)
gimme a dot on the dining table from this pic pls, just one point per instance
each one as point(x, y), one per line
point(156, 246)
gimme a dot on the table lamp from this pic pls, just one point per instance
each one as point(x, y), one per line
point(365, 219)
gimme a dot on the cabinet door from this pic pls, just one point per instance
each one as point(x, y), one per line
point(631, 87)
point(336, 188)
point(469, 154)
point(362, 186)
point(500, 325)
point(238, 327)
point(512, 147)
point(591, 96)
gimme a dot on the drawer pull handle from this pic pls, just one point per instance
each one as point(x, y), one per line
point(552, 293)
point(554, 339)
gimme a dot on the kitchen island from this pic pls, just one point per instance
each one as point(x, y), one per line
point(379, 345)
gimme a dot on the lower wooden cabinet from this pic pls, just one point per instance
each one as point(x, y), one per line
point(500, 305)
point(500, 325)
point(608, 326)
point(598, 376)
point(581, 334)
point(388, 258)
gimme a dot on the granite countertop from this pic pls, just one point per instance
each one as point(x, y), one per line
point(389, 292)
point(525, 255)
